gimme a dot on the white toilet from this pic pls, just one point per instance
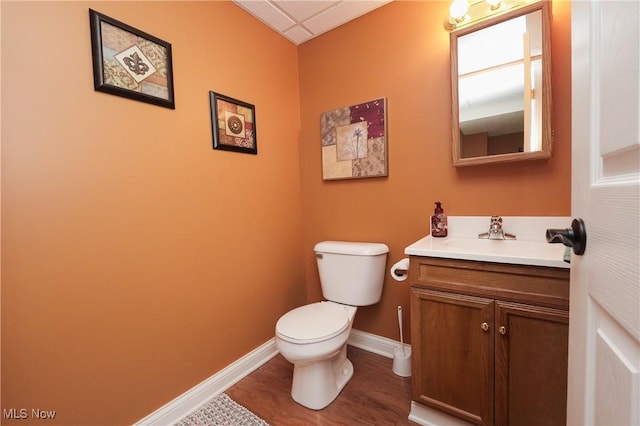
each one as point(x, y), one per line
point(314, 337)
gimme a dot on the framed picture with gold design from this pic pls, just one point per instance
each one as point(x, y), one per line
point(130, 63)
point(233, 124)
point(354, 141)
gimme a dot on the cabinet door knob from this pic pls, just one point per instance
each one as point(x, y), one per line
point(502, 330)
point(484, 326)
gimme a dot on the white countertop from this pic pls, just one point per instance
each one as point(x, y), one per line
point(530, 247)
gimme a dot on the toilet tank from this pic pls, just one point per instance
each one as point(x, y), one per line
point(351, 273)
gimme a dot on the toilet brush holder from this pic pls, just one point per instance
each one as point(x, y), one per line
point(402, 361)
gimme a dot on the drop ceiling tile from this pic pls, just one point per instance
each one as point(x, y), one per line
point(301, 10)
point(301, 20)
point(267, 13)
point(343, 12)
point(298, 34)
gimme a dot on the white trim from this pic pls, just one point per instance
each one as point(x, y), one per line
point(427, 416)
point(373, 343)
point(197, 396)
point(200, 394)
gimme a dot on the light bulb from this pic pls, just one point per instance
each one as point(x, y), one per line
point(458, 9)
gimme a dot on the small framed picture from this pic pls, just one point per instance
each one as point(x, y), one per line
point(233, 124)
point(130, 63)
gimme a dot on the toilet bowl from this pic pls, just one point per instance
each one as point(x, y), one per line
point(314, 339)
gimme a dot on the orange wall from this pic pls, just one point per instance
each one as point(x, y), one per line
point(401, 52)
point(137, 261)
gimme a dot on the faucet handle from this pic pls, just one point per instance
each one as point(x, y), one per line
point(495, 231)
point(496, 222)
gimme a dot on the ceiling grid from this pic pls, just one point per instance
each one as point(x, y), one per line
point(302, 20)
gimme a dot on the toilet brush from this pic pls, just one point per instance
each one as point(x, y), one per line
point(402, 355)
point(400, 325)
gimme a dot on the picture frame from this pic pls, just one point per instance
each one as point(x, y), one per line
point(233, 124)
point(354, 141)
point(130, 63)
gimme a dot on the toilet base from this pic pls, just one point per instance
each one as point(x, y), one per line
point(316, 385)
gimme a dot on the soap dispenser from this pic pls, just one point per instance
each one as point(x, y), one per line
point(438, 222)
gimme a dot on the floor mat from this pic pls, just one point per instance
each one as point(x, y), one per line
point(222, 411)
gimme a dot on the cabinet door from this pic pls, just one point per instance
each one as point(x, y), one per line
point(531, 365)
point(452, 341)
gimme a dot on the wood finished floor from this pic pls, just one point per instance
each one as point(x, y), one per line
point(373, 396)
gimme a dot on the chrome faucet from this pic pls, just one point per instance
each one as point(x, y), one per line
point(495, 231)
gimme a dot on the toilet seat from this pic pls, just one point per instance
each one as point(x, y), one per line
point(313, 323)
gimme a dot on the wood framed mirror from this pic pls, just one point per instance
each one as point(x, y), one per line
point(501, 87)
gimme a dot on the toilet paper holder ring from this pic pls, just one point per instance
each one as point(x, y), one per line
point(401, 272)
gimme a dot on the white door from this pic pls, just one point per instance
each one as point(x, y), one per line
point(604, 325)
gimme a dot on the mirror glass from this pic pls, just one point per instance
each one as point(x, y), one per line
point(501, 88)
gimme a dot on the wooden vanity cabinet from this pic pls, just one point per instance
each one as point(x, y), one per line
point(490, 340)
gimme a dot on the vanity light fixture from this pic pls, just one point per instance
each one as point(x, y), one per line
point(465, 12)
point(458, 10)
point(494, 4)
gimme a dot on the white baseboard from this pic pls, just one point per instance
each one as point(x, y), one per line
point(427, 416)
point(373, 343)
point(197, 396)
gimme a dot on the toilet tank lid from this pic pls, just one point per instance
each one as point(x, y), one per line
point(353, 248)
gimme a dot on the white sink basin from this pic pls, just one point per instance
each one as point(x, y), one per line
point(500, 251)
